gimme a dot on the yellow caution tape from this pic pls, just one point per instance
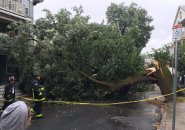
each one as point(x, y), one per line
point(105, 104)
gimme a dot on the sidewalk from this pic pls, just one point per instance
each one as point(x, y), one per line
point(166, 122)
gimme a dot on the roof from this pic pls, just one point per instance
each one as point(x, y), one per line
point(36, 2)
point(180, 7)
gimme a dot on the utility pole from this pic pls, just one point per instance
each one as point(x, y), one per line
point(175, 86)
point(176, 37)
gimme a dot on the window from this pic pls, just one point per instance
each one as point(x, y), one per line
point(180, 15)
point(3, 3)
point(26, 11)
point(11, 6)
point(20, 1)
point(26, 6)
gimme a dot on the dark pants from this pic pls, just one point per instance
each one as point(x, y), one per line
point(38, 108)
point(6, 104)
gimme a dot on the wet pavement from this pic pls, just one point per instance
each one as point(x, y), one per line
point(137, 116)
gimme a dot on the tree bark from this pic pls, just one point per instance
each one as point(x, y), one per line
point(117, 85)
point(159, 74)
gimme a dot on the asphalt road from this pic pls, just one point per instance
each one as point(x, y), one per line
point(138, 116)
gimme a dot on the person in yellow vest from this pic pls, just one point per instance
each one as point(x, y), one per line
point(38, 96)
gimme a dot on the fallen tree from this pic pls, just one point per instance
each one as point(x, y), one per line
point(159, 74)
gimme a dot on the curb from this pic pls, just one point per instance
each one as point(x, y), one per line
point(163, 119)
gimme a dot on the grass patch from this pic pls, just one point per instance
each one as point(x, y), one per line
point(180, 99)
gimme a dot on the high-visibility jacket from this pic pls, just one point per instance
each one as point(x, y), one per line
point(38, 91)
point(9, 93)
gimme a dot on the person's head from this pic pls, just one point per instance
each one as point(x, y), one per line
point(16, 116)
point(11, 79)
point(37, 76)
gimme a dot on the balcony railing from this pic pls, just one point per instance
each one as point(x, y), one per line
point(13, 6)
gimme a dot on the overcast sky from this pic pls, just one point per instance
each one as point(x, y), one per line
point(163, 13)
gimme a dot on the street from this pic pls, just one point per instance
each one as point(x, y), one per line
point(138, 116)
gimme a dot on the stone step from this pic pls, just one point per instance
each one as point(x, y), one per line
point(1, 93)
point(16, 91)
point(18, 94)
point(1, 89)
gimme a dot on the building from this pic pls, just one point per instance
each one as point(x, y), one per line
point(13, 10)
point(180, 19)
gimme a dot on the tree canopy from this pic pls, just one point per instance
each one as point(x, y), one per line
point(132, 21)
point(66, 43)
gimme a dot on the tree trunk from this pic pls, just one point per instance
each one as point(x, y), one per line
point(159, 75)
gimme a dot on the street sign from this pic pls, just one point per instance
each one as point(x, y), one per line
point(177, 32)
